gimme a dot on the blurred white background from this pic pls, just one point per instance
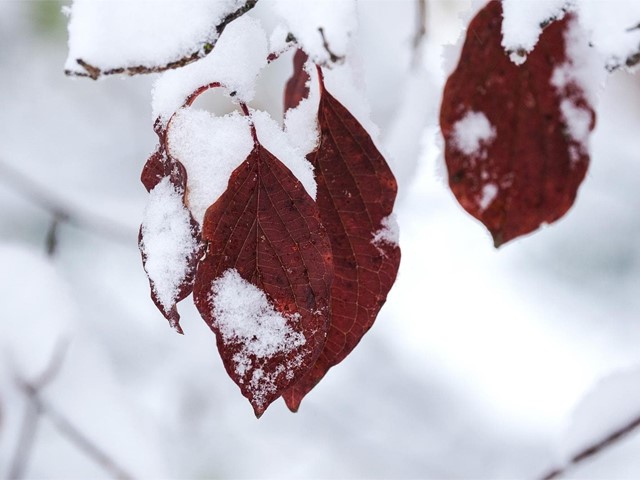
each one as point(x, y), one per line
point(471, 371)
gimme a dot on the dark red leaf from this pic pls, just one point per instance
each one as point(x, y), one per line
point(356, 193)
point(297, 89)
point(265, 230)
point(527, 170)
point(158, 167)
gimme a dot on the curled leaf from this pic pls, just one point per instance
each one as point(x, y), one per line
point(169, 237)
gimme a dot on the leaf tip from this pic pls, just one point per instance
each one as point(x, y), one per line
point(498, 239)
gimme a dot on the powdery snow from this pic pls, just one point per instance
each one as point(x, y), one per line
point(114, 33)
point(611, 27)
point(245, 317)
point(522, 24)
point(389, 233)
point(210, 148)
point(235, 62)
point(489, 193)
point(274, 139)
point(584, 68)
point(473, 132)
point(167, 241)
point(304, 18)
point(301, 122)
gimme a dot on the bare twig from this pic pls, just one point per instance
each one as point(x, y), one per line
point(421, 23)
point(594, 449)
point(75, 436)
point(31, 418)
point(38, 408)
point(325, 44)
point(94, 72)
point(61, 211)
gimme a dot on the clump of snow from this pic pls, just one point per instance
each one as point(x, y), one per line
point(473, 132)
point(110, 34)
point(304, 18)
point(276, 141)
point(278, 40)
point(244, 317)
point(613, 28)
point(488, 195)
point(167, 241)
point(235, 62)
point(610, 405)
point(301, 122)
point(584, 65)
point(523, 23)
point(389, 232)
point(210, 148)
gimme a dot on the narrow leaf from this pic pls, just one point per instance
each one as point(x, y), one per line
point(264, 284)
point(297, 87)
point(356, 193)
point(516, 136)
point(169, 238)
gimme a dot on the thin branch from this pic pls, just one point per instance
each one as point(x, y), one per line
point(60, 210)
point(32, 412)
point(38, 408)
point(421, 23)
point(94, 72)
point(325, 44)
point(26, 440)
point(594, 449)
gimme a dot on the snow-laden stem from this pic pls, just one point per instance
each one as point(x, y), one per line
point(594, 449)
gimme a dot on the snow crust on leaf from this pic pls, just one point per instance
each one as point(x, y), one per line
point(473, 132)
point(524, 21)
point(304, 18)
point(277, 142)
point(235, 62)
point(210, 148)
point(610, 405)
point(111, 34)
point(167, 242)
point(244, 316)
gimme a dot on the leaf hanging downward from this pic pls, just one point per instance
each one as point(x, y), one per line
point(169, 237)
point(516, 136)
point(264, 284)
point(297, 86)
point(356, 193)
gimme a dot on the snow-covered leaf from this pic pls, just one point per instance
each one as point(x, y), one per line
point(356, 193)
point(264, 284)
point(516, 137)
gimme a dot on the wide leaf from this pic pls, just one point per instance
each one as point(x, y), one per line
point(264, 284)
point(515, 136)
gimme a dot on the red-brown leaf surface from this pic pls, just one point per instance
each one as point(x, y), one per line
point(297, 89)
point(266, 228)
point(529, 171)
point(356, 193)
point(158, 167)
